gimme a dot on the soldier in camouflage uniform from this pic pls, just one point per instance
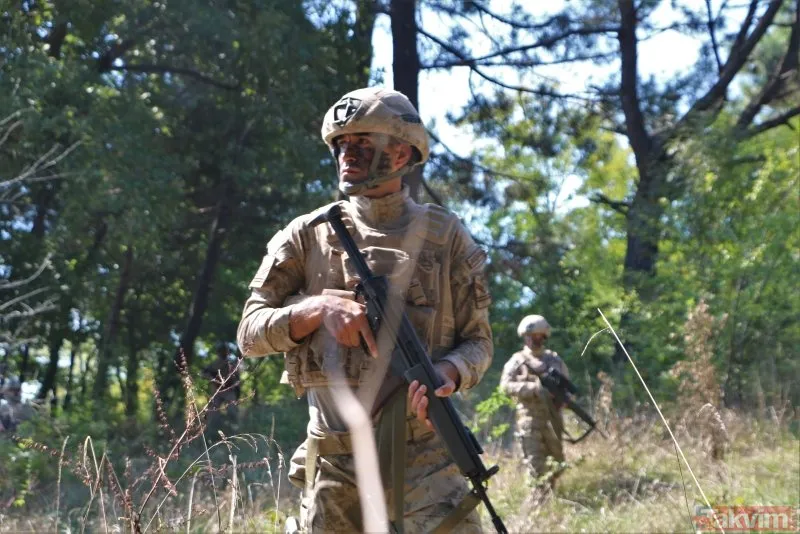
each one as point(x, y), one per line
point(540, 423)
point(303, 304)
point(11, 410)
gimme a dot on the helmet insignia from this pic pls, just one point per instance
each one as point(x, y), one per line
point(344, 110)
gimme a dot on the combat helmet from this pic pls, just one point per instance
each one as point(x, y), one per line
point(384, 113)
point(533, 324)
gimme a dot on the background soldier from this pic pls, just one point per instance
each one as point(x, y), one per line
point(10, 400)
point(224, 380)
point(540, 422)
point(303, 304)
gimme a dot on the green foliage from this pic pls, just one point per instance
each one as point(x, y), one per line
point(159, 113)
point(497, 407)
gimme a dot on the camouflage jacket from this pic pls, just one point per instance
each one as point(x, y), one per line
point(520, 382)
point(427, 246)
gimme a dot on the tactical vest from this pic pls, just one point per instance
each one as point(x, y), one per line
point(427, 293)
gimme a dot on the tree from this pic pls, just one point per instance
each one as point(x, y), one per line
point(654, 118)
point(190, 129)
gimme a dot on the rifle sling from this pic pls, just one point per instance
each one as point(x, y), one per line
point(459, 513)
point(390, 438)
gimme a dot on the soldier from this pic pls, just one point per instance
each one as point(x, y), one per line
point(303, 304)
point(224, 387)
point(10, 400)
point(540, 423)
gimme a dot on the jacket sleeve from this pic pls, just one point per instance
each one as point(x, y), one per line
point(264, 328)
point(472, 353)
point(514, 386)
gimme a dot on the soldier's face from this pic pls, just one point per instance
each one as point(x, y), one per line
point(535, 341)
point(355, 157)
point(356, 152)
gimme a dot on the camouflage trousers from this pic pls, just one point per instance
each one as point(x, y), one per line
point(433, 488)
point(540, 437)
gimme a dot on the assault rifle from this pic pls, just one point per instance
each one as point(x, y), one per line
point(410, 361)
point(564, 392)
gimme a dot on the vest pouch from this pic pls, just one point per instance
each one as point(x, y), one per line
point(428, 270)
point(394, 264)
point(421, 318)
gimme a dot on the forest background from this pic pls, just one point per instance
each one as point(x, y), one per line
point(149, 149)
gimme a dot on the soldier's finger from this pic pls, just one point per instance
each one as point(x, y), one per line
point(412, 388)
point(366, 333)
point(446, 389)
point(419, 397)
point(422, 409)
point(347, 337)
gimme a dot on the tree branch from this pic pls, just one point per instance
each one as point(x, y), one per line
point(735, 62)
point(431, 193)
point(711, 23)
point(788, 64)
point(746, 23)
point(169, 69)
point(514, 177)
point(548, 42)
point(471, 63)
point(620, 206)
point(560, 18)
point(518, 63)
point(31, 278)
point(774, 122)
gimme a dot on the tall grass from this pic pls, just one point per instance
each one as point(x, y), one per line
point(185, 483)
point(633, 482)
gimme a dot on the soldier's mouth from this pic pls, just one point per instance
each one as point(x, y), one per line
point(353, 174)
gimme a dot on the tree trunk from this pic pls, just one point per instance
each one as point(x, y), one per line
point(43, 201)
point(68, 394)
point(643, 234)
point(361, 43)
point(205, 278)
point(132, 365)
point(112, 328)
point(406, 67)
point(131, 383)
point(84, 366)
point(25, 358)
point(65, 313)
point(49, 383)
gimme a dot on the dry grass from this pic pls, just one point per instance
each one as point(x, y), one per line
point(186, 484)
point(630, 483)
point(633, 483)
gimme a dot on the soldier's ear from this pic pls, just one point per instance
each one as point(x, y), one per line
point(404, 152)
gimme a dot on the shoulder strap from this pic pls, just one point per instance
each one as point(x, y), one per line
point(439, 224)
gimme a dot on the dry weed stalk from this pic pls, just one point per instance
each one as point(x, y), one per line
point(99, 474)
point(700, 393)
point(709, 417)
point(698, 378)
point(605, 398)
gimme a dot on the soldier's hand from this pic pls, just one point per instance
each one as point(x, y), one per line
point(448, 374)
point(347, 321)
